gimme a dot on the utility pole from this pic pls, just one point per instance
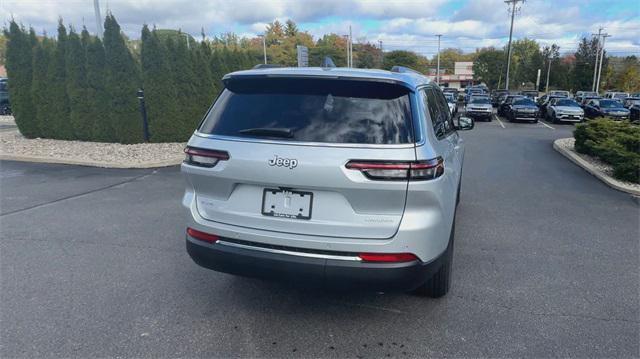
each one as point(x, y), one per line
point(96, 9)
point(350, 47)
point(381, 53)
point(604, 38)
point(346, 39)
point(595, 65)
point(546, 87)
point(264, 47)
point(438, 67)
point(513, 14)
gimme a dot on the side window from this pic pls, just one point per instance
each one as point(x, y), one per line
point(439, 112)
point(444, 107)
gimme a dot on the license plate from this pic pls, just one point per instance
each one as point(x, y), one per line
point(287, 203)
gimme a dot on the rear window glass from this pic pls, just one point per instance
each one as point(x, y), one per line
point(312, 110)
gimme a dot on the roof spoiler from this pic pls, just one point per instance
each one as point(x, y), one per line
point(403, 69)
point(265, 66)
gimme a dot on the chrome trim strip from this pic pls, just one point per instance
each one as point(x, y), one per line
point(291, 253)
point(294, 143)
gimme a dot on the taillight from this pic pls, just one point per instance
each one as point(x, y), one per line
point(388, 257)
point(204, 158)
point(202, 236)
point(399, 170)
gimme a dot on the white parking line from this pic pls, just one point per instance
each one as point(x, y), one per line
point(542, 122)
point(498, 118)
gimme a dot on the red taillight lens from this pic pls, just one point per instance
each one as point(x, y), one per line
point(202, 236)
point(204, 158)
point(388, 257)
point(399, 170)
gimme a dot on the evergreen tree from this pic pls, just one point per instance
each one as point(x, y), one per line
point(42, 56)
point(79, 111)
point(217, 70)
point(204, 84)
point(19, 70)
point(102, 128)
point(159, 88)
point(122, 83)
point(57, 105)
point(184, 78)
point(290, 28)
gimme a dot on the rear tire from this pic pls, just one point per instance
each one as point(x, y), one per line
point(440, 283)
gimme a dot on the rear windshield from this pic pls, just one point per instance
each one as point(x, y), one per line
point(524, 101)
point(480, 100)
point(312, 110)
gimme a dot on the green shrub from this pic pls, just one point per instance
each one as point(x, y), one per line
point(614, 142)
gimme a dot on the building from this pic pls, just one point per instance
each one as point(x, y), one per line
point(462, 75)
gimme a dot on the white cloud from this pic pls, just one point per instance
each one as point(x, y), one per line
point(410, 23)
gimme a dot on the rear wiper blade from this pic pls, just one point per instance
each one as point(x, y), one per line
point(269, 132)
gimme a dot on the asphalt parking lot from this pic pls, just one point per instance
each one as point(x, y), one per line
point(546, 265)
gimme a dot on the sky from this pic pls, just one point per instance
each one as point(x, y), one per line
point(399, 24)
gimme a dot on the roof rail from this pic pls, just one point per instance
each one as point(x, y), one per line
point(403, 69)
point(265, 66)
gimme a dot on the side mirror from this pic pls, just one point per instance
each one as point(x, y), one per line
point(465, 123)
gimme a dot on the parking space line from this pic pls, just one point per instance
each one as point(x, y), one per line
point(498, 118)
point(542, 122)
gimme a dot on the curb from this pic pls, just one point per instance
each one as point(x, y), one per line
point(69, 161)
point(608, 180)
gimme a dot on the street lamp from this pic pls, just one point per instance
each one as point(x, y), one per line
point(143, 112)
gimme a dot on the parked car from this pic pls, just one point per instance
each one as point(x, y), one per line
point(532, 94)
point(504, 105)
point(564, 109)
point(560, 93)
point(5, 106)
point(327, 177)
point(495, 96)
point(588, 98)
point(606, 108)
point(451, 90)
point(522, 109)
point(544, 102)
point(452, 101)
point(580, 95)
point(616, 95)
point(634, 112)
point(473, 92)
point(479, 107)
point(630, 101)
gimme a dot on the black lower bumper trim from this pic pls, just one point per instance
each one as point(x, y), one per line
point(312, 272)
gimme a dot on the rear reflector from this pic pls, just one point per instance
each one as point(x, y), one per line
point(202, 236)
point(399, 170)
point(204, 158)
point(388, 257)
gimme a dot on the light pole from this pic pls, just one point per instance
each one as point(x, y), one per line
point(513, 14)
point(346, 39)
point(604, 38)
point(264, 47)
point(96, 9)
point(143, 112)
point(350, 47)
point(438, 67)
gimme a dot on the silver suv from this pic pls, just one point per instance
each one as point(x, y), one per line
point(340, 177)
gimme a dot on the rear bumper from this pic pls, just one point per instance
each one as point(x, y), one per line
point(307, 271)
